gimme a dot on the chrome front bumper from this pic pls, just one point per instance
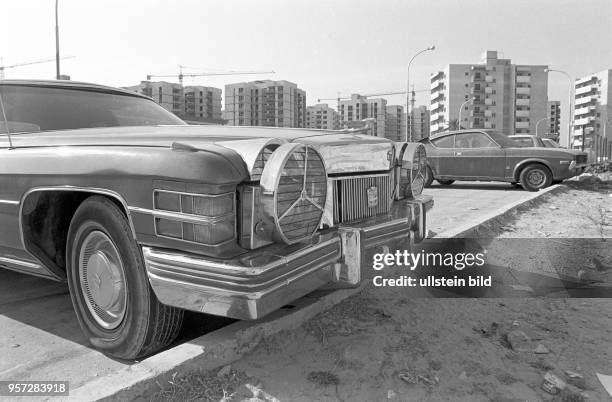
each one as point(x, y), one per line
point(261, 281)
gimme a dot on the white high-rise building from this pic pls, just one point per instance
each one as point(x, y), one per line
point(492, 94)
point(593, 108)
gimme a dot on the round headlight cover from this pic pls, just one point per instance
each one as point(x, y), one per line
point(412, 170)
point(294, 191)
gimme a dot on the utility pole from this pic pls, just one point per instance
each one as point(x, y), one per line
point(57, 52)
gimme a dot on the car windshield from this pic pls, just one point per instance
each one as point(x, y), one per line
point(503, 140)
point(31, 108)
point(548, 143)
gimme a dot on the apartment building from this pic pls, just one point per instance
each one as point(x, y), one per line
point(203, 103)
point(169, 95)
point(420, 122)
point(593, 107)
point(554, 119)
point(492, 94)
point(360, 107)
point(265, 103)
point(395, 123)
point(322, 116)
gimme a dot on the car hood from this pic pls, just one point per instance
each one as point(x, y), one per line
point(341, 151)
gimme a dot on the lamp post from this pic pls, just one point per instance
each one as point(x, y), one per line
point(569, 104)
point(538, 123)
point(408, 119)
point(57, 53)
point(461, 109)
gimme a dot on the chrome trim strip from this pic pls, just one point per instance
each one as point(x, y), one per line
point(182, 217)
point(10, 202)
point(14, 261)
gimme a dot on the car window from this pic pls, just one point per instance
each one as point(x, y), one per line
point(548, 143)
point(39, 108)
point(473, 140)
point(523, 142)
point(444, 142)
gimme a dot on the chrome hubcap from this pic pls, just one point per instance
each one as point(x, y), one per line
point(102, 279)
point(536, 178)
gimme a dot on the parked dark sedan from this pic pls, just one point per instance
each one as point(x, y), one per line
point(489, 155)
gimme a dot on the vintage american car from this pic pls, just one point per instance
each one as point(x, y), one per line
point(145, 216)
point(489, 155)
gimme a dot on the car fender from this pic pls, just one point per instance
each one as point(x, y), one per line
point(519, 166)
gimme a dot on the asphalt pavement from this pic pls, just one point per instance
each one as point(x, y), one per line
point(40, 338)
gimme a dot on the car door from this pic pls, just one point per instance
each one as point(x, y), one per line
point(440, 159)
point(477, 156)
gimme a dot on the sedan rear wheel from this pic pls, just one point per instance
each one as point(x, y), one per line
point(428, 177)
point(113, 300)
point(535, 177)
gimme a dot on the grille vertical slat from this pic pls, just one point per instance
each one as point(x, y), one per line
point(351, 197)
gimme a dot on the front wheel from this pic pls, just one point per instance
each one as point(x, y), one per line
point(114, 303)
point(535, 177)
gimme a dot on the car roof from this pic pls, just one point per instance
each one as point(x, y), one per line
point(67, 84)
point(521, 135)
point(445, 133)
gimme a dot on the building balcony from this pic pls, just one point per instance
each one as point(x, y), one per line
point(436, 76)
point(522, 102)
point(584, 110)
point(586, 80)
point(585, 90)
point(584, 121)
point(477, 78)
point(523, 79)
point(477, 113)
point(488, 113)
point(437, 85)
point(488, 124)
point(434, 106)
point(522, 113)
point(584, 100)
point(489, 102)
point(523, 90)
point(489, 78)
point(587, 130)
point(437, 96)
point(489, 90)
point(521, 124)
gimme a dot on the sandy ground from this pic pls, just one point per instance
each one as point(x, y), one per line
point(383, 344)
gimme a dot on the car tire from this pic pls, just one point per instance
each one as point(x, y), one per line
point(446, 182)
point(428, 177)
point(113, 300)
point(535, 177)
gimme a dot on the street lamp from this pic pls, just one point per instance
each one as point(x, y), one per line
point(538, 123)
point(569, 104)
point(57, 54)
point(461, 109)
point(408, 119)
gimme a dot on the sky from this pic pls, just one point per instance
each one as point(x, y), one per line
point(326, 47)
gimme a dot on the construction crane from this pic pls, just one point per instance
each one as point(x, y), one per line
point(339, 98)
point(27, 63)
point(181, 75)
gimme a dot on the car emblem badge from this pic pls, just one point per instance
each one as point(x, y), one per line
point(372, 197)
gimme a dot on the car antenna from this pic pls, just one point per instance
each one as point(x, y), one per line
point(6, 123)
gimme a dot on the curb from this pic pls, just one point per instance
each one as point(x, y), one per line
point(469, 228)
point(228, 344)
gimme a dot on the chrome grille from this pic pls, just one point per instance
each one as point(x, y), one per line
point(351, 196)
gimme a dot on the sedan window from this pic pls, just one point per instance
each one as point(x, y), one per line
point(474, 140)
point(523, 142)
point(444, 142)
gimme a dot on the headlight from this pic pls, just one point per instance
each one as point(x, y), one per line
point(412, 169)
point(199, 218)
point(293, 192)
